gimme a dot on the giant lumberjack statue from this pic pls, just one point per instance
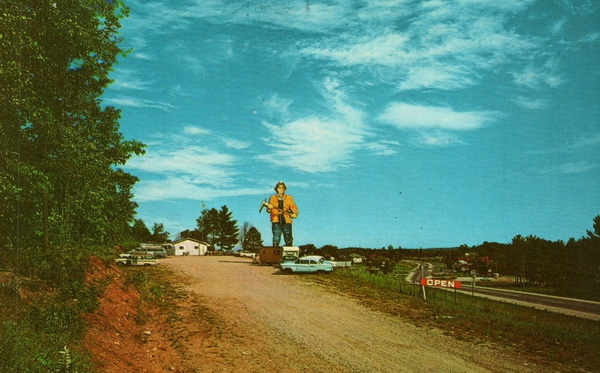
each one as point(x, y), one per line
point(283, 209)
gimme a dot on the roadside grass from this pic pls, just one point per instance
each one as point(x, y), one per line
point(41, 311)
point(548, 338)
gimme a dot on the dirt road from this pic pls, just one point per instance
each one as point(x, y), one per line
point(247, 318)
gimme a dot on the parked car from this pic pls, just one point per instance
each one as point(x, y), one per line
point(307, 264)
point(135, 260)
point(319, 258)
point(135, 253)
point(157, 251)
point(247, 254)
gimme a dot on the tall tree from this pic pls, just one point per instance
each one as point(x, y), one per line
point(195, 234)
point(244, 231)
point(140, 232)
point(208, 225)
point(596, 232)
point(252, 240)
point(228, 229)
point(219, 227)
point(58, 144)
point(159, 235)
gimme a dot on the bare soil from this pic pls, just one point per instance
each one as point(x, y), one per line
point(237, 317)
point(224, 314)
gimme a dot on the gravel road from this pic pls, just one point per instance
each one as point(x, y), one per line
point(248, 318)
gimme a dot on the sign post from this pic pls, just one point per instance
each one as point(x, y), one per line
point(422, 276)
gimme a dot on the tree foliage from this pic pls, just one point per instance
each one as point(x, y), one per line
point(218, 227)
point(60, 148)
point(159, 235)
point(140, 232)
point(252, 240)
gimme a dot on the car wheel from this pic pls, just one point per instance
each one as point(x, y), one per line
point(320, 272)
point(121, 264)
point(288, 271)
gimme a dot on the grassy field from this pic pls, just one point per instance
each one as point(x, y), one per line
point(568, 343)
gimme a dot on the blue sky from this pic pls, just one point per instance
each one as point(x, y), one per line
point(392, 122)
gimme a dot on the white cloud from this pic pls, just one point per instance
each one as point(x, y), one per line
point(387, 50)
point(143, 56)
point(445, 77)
point(437, 139)
point(182, 188)
point(193, 130)
point(421, 117)
point(127, 79)
point(558, 26)
point(443, 45)
point(186, 170)
point(277, 108)
point(567, 168)
point(591, 37)
point(532, 104)
point(196, 164)
point(318, 143)
point(539, 76)
point(237, 144)
point(383, 148)
point(311, 144)
point(138, 103)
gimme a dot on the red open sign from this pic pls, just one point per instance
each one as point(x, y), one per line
point(441, 283)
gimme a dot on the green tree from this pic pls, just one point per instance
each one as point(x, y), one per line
point(228, 230)
point(195, 234)
point(219, 227)
point(140, 232)
point(59, 146)
point(159, 235)
point(208, 225)
point(307, 249)
point(329, 251)
point(596, 232)
point(252, 240)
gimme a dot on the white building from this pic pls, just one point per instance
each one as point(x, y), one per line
point(190, 246)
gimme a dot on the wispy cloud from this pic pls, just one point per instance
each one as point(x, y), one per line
point(318, 143)
point(435, 139)
point(442, 45)
point(277, 108)
point(128, 79)
point(576, 144)
point(138, 103)
point(538, 76)
point(422, 117)
point(237, 144)
point(383, 148)
point(201, 165)
point(193, 167)
point(185, 188)
point(591, 37)
point(567, 168)
point(193, 130)
point(529, 103)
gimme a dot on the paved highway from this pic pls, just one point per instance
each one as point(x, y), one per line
point(569, 306)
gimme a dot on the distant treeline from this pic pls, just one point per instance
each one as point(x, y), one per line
point(569, 268)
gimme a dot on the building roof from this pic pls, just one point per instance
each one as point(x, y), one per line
point(190, 239)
